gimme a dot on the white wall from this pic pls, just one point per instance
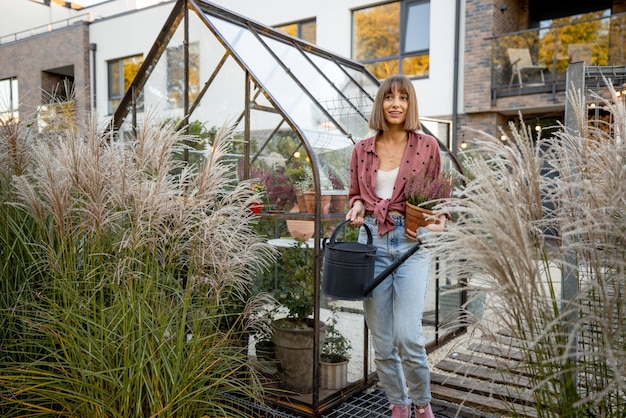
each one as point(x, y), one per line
point(121, 36)
point(21, 15)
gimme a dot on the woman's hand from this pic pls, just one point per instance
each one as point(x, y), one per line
point(436, 227)
point(439, 225)
point(356, 214)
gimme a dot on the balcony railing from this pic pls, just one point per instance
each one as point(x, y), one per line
point(536, 61)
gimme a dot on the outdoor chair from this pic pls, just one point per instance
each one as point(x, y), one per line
point(580, 52)
point(523, 68)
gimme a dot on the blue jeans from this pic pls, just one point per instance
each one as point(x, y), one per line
point(394, 316)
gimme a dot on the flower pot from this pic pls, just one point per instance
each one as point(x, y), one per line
point(301, 202)
point(294, 354)
point(256, 207)
point(416, 217)
point(310, 197)
point(338, 202)
point(334, 375)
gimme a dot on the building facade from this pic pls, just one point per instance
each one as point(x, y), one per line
point(456, 51)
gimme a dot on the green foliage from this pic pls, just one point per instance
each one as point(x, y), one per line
point(303, 179)
point(336, 347)
point(294, 277)
point(290, 281)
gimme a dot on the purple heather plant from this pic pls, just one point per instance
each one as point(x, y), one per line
point(427, 187)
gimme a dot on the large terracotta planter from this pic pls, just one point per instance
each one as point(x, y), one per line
point(294, 354)
point(338, 201)
point(310, 197)
point(301, 202)
point(334, 375)
point(416, 217)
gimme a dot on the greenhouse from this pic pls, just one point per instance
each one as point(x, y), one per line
point(298, 110)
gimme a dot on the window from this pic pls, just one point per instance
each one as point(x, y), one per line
point(121, 74)
point(393, 38)
point(176, 74)
point(304, 30)
point(8, 100)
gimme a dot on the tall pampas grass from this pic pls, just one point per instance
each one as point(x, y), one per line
point(536, 216)
point(125, 287)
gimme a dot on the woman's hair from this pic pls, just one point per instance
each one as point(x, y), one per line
point(393, 84)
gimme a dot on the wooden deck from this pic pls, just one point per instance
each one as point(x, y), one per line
point(487, 377)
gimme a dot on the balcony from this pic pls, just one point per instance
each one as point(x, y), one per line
point(536, 61)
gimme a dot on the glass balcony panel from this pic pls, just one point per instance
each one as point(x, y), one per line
point(593, 38)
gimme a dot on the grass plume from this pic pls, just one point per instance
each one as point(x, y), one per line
point(125, 286)
point(535, 216)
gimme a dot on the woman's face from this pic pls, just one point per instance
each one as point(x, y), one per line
point(395, 106)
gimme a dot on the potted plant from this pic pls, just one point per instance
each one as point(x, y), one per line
point(335, 355)
point(302, 180)
point(423, 191)
point(258, 188)
point(305, 190)
point(294, 335)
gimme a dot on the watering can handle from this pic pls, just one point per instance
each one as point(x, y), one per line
point(343, 224)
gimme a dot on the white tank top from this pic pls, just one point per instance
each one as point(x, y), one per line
point(385, 181)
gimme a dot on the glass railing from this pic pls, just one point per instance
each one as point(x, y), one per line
point(535, 61)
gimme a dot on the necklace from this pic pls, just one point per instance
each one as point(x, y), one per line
point(391, 156)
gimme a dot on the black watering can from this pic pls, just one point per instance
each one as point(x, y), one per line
point(349, 267)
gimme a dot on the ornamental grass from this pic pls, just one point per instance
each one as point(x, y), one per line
point(124, 286)
point(541, 232)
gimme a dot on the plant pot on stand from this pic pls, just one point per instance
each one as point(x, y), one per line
point(311, 198)
point(335, 355)
point(293, 343)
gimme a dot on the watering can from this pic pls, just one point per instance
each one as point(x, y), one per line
point(349, 266)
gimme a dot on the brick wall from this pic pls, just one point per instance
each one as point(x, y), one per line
point(29, 59)
point(484, 19)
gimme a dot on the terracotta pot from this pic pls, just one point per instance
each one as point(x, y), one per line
point(338, 203)
point(309, 197)
point(416, 217)
point(301, 202)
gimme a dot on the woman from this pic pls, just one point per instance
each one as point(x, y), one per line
point(379, 168)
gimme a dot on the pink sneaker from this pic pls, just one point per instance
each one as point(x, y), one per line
point(400, 411)
point(424, 412)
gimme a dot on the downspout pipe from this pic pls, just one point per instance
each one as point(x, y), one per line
point(93, 48)
point(455, 81)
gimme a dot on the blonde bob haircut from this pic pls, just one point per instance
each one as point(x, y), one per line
point(395, 83)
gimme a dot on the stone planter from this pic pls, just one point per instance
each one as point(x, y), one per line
point(294, 354)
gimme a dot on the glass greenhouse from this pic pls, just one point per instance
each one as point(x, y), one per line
point(298, 111)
